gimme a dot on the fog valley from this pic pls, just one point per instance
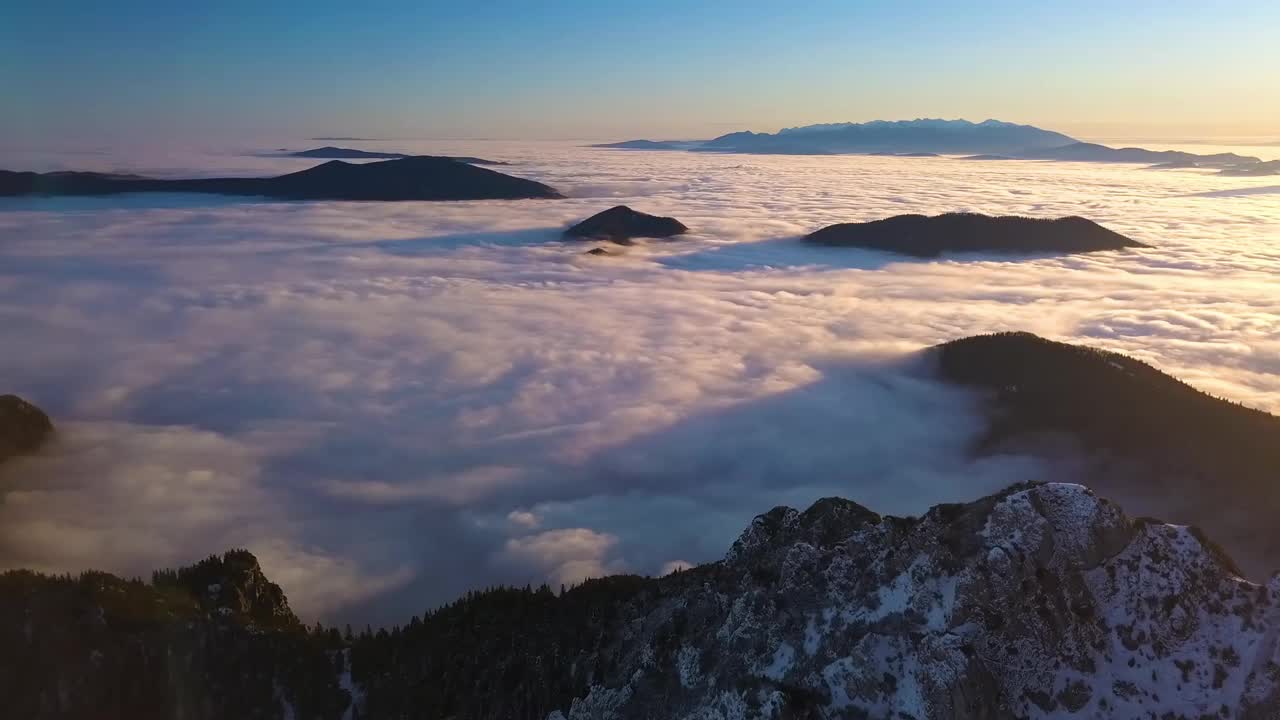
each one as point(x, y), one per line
point(390, 404)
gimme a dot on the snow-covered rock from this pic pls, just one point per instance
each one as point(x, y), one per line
point(1041, 601)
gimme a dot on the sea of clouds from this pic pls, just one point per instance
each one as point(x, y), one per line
point(392, 403)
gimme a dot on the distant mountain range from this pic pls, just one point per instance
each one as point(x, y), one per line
point(986, 140)
point(412, 178)
point(653, 144)
point(330, 152)
point(1093, 152)
point(906, 136)
point(1271, 167)
point(339, 153)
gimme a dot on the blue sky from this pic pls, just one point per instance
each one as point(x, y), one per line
point(622, 69)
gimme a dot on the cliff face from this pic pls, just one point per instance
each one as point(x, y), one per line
point(1039, 601)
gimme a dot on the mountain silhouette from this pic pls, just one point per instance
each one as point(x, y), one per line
point(1093, 152)
point(923, 236)
point(906, 136)
point(340, 153)
point(651, 144)
point(24, 428)
point(620, 224)
point(410, 178)
point(1271, 167)
point(986, 140)
point(1141, 435)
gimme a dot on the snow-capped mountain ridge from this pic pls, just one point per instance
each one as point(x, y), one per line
point(1041, 601)
point(918, 123)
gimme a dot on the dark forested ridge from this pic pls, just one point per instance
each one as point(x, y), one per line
point(212, 641)
point(1113, 401)
point(218, 640)
point(1216, 463)
point(924, 236)
point(24, 428)
point(408, 178)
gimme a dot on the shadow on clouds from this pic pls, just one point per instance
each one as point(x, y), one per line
point(793, 253)
point(1238, 192)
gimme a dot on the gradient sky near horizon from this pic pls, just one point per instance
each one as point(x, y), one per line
point(147, 69)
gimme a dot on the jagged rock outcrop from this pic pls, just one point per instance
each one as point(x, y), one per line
point(621, 224)
point(923, 236)
point(1039, 601)
point(409, 178)
point(24, 428)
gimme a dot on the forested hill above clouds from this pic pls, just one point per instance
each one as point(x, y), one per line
point(1137, 434)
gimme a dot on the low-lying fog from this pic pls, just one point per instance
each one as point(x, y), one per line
point(391, 403)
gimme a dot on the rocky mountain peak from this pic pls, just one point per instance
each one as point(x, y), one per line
point(826, 522)
point(233, 586)
point(1038, 601)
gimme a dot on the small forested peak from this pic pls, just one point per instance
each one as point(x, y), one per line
point(24, 428)
point(621, 224)
point(232, 586)
point(927, 237)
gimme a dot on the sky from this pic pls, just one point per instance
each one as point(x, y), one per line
point(151, 70)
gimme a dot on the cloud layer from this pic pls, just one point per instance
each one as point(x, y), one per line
point(393, 403)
